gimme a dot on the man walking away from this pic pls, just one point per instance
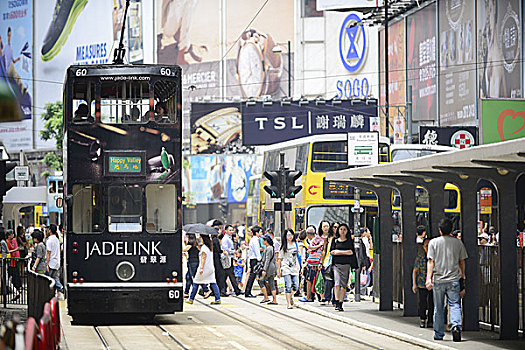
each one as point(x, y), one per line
point(53, 256)
point(254, 256)
point(446, 265)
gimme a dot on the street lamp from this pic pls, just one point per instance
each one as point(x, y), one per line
point(278, 50)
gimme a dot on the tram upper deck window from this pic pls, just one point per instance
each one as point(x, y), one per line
point(125, 208)
point(124, 102)
point(88, 209)
point(165, 93)
point(84, 102)
point(161, 201)
point(329, 156)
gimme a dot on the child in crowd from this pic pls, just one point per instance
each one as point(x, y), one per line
point(238, 267)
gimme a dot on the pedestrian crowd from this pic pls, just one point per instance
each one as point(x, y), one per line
point(318, 262)
point(43, 246)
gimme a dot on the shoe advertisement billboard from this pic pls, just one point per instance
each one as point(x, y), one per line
point(79, 32)
point(422, 63)
point(396, 79)
point(457, 62)
point(219, 54)
point(499, 49)
point(16, 69)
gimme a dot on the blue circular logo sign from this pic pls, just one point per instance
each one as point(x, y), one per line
point(352, 43)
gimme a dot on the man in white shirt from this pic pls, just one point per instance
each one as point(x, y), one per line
point(254, 256)
point(53, 255)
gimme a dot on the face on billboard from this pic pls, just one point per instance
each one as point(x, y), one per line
point(499, 40)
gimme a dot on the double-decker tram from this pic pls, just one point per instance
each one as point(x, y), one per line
point(122, 178)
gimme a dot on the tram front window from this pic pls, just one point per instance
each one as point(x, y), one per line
point(125, 208)
point(329, 213)
point(161, 201)
point(83, 102)
point(88, 209)
point(124, 102)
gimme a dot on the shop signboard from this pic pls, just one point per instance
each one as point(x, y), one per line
point(502, 120)
point(456, 136)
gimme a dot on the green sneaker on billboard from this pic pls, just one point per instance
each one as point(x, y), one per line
point(64, 17)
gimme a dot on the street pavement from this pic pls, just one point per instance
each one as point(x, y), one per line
point(241, 323)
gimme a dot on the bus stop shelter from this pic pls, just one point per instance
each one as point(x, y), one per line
point(20, 197)
point(503, 164)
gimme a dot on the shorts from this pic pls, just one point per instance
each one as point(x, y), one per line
point(311, 272)
point(267, 281)
point(341, 274)
point(291, 282)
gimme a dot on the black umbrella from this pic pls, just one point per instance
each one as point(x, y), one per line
point(200, 229)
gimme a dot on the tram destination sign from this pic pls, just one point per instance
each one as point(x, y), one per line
point(125, 163)
point(343, 190)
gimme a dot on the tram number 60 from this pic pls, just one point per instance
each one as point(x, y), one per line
point(165, 71)
point(174, 294)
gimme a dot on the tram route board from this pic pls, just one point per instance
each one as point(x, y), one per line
point(342, 190)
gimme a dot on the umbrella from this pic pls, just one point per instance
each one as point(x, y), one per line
point(200, 229)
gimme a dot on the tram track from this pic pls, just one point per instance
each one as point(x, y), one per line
point(289, 343)
point(315, 327)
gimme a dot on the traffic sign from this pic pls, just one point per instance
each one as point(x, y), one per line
point(357, 209)
point(22, 173)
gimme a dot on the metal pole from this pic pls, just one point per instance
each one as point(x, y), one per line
point(387, 100)
point(357, 245)
point(289, 69)
point(409, 114)
point(283, 192)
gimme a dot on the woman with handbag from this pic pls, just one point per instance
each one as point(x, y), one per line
point(289, 264)
point(206, 271)
point(343, 259)
point(269, 271)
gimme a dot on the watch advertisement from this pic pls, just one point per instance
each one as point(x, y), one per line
point(268, 123)
point(453, 136)
point(16, 70)
point(217, 128)
point(502, 120)
point(396, 79)
point(499, 49)
point(250, 61)
point(457, 68)
point(422, 63)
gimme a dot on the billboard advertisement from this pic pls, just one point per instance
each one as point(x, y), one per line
point(16, 69)
point(217, 128)
point(351, 69)
point(422, 63)
point(502, 120)
point(269, 123)
point(456, 136)
point(344, 4)
point(499, 49)
point(63, 39)
point(396, 78)
point(238, 169)
point(219, 55)
point(457, 69)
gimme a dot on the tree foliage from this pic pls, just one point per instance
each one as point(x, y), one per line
point(52, 117)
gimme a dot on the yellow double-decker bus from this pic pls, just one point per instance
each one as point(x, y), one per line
point(319, 199)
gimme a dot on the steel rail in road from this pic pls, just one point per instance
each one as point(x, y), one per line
point(316, 327)
point(290, 343)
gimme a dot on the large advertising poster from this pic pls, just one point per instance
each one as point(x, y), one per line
point(422, 63)
point(76, 32)
point(219, 55)
point(499, 49)
point(16, 68)
point(351, 57)
point(502, 120)
point(396, 79)
point(457, 83)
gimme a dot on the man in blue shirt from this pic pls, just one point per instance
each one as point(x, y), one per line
point(228, 249)
point(254, 256)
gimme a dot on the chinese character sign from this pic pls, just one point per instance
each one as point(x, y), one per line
point(363, 148)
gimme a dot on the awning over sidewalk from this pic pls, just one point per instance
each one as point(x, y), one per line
point(501, 163)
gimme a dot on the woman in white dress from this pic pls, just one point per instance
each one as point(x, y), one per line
point(206, 272)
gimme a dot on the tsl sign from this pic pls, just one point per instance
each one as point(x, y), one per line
point(502, 120)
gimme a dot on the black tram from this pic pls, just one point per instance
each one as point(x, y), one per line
point(122, 178)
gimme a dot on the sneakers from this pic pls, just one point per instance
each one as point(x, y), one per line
point(64, 17)
point(422, 324)
point(215, 302)
point(305, 300)
point(188, 301)
point(456, 334)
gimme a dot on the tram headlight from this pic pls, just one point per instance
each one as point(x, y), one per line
point(174, 273)
point(75, 273)
point(125, 271)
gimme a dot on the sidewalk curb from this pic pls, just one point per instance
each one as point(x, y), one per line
point(397, 335)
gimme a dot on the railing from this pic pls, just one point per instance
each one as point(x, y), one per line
point(521, 288)
point(397, 262)
point(14, 281)
point(40, 290)
point(489, 274)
